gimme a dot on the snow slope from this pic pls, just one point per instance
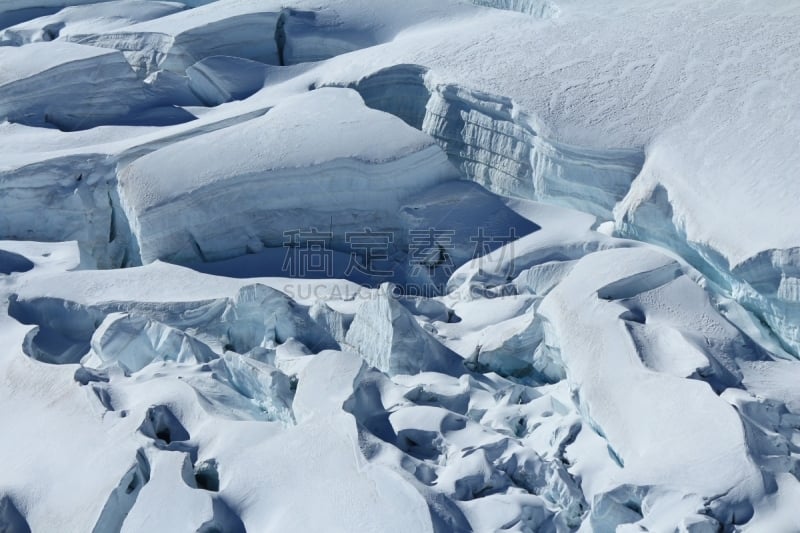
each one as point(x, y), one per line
point(582, 314)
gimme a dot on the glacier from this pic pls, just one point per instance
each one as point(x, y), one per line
point(580, 313)
point(33, 93)
point(78, 19)
point(355, 169)
point(176, 41)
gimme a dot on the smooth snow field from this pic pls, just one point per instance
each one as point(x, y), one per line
point(399, 266)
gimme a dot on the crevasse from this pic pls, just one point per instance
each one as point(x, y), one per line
point(765, 284)
point(498, 145)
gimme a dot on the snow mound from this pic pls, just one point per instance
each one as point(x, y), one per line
point(646, 436)
point(80, 19)
point(101, 88)
point(240, 28)
point(362, 162)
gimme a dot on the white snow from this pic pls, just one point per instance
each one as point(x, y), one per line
point(75, 87)
point(79, 19)
point(363, 163)
point(178, 40)
point(620, 355)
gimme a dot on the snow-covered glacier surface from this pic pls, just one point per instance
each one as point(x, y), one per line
point(363, 265)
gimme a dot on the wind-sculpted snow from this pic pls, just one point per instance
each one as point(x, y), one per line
point(75, 87)
point(660, 428)
point(176, 41)
point(314, 35)
point(433, 266)
point(79, 19)
point(19, 11)
point(365, 164)
point(493, 142)
point(765, 282)
point(466, 449)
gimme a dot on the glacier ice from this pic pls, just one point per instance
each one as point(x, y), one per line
point(493, 142)
point(312, 35)
point(357, 171)
point(262, 317)
point(385, 334)
point(764, 283)
point(82, 18)
point(135, 342)
point(624, 360)
point(80, 197)
point(538, 8)
point(267, 386)
point(661, 427)
point(219, 79)
point(176, 41)
point(100, 88)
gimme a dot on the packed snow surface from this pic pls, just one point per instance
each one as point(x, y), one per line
point(376, 266)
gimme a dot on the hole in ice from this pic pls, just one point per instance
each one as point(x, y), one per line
point(634, 315)
point(520, 427)
point(457, 402)
point(11, 262)
point(419, 444)
point(161, 425)
point(64, 328)
point(132, 486)
point(52, 31)
point(206, 475)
